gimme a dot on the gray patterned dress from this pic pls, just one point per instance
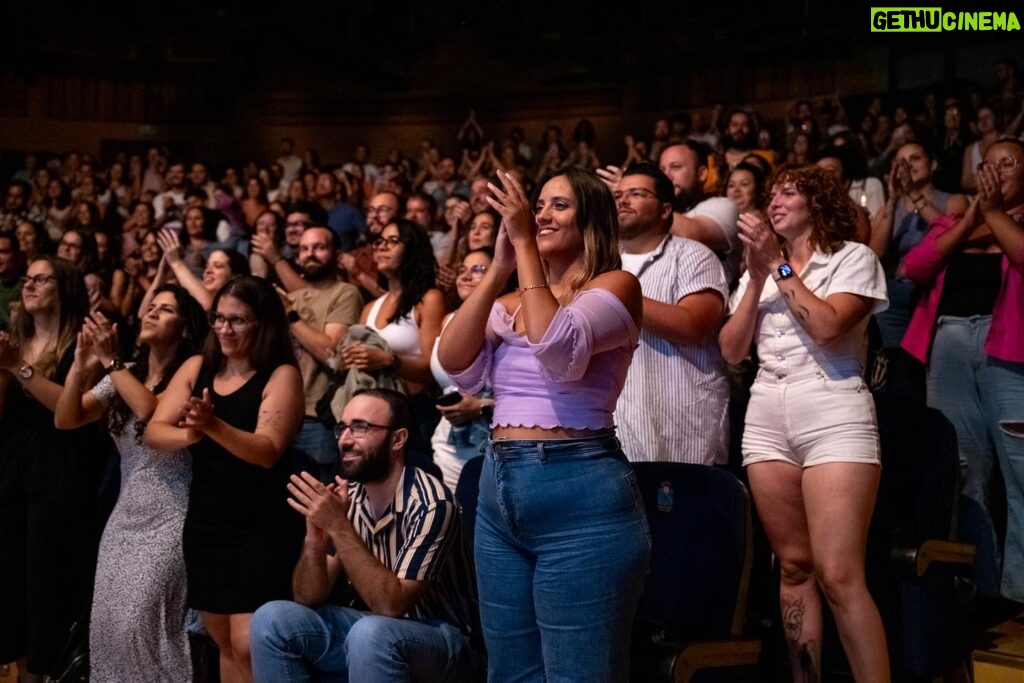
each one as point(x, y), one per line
point(137, 632)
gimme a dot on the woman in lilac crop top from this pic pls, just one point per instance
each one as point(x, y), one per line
point(561, 541)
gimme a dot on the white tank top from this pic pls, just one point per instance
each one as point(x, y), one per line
point(402, 336)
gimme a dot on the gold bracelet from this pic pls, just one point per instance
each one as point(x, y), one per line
point(525, 289)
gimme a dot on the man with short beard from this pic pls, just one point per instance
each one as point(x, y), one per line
point(319, 316)
point(684, 292)
point(382, 211)
point(708, 220)
point(392, 533)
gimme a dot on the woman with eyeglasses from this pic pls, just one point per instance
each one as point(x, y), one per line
point(408, 317)
point(49, 479)
point(465, 418)
point(968, 328)
point(561, 543)
point(236, 409)
point(137, 627)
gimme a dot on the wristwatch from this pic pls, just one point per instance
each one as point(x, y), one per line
point(487, 409)
point(115, 365)
point(783, 272)
point(26, 371)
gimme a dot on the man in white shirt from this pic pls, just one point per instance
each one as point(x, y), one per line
point(674, 404)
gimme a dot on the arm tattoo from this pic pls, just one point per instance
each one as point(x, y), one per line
point(801, 311)
point(269, 419)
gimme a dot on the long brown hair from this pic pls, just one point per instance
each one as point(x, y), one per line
point(72, 306)
point(597, 219)
point(271, 345)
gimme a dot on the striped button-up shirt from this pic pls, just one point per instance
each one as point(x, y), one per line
point(674, 405)
point(419, 537)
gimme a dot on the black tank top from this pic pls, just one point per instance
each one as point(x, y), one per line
point(972, 284)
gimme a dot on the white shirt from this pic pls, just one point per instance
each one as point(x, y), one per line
point(674, 404)
point(784, 347)
point(725, 215)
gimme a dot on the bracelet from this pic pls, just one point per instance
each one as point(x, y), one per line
point(525, 289)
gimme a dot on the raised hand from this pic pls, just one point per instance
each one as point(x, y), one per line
point(323, 506)
point(198, 412)
point(511, 202)
point(102, 337)
point(761, 245)
point(170, 243)
point(990, 196)
point(611, 175)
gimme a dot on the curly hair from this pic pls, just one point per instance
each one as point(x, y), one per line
point(832, 212)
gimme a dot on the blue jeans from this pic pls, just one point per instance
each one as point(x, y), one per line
point(976, 392)
point(316, 450)
point(291, 642)
point(562, 548)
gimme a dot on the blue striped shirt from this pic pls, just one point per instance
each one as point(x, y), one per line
point(674, 405)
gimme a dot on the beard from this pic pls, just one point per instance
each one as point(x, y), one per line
point(372, 467)
point(314, 271)
point(632, 226)
point(748, 141)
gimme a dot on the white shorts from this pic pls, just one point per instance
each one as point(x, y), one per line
point(810, 420)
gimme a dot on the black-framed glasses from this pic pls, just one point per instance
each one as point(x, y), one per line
point(386, 242)
point(235, 322)
point(359, 428)
point(36, 280)
point(633, 193)
point(298, 224)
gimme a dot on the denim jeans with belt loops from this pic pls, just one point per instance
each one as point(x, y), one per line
point(976, 392)
point(562, 549)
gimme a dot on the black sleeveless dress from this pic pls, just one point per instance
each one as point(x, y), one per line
point(241, 539)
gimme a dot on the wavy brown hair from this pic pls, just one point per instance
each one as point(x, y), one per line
point(598, 221)
point(833, 214)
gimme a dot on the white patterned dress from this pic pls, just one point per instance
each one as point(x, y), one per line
point(137, 631)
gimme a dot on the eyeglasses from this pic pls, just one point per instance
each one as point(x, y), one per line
point(475, 272)
point(70, 245)
point(359, 428)
point(1004, 164)
point(36, 280)
point(386, 242)
point(298, 224)
point(381, 209)
point(235, 322)
point(635, 193)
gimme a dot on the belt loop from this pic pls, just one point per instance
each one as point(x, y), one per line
point(541, 452)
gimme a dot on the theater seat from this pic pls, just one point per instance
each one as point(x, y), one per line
point(691, 614)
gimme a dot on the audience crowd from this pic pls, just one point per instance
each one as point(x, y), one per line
point(238, 400)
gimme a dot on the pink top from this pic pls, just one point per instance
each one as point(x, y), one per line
point(571, 378)
point(927, 268)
